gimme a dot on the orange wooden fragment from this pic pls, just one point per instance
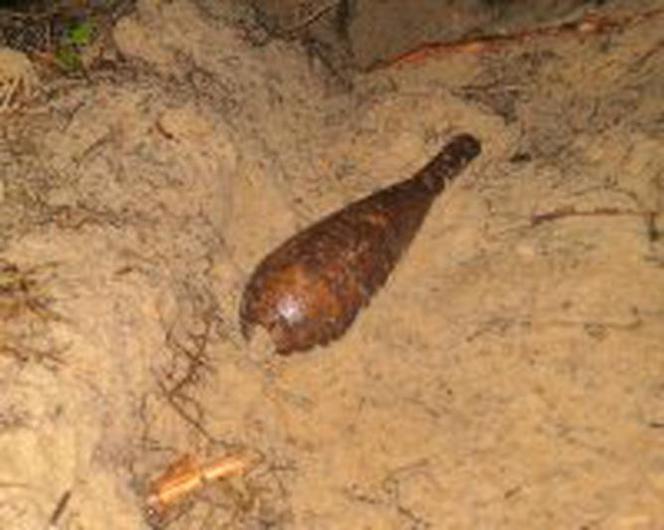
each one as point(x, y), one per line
point(187, 475)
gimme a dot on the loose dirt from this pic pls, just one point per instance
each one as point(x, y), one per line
point(509, 376)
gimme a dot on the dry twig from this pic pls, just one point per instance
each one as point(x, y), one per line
point(590, 24)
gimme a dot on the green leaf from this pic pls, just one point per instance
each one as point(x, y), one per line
point(80, 34)
point(68, 59)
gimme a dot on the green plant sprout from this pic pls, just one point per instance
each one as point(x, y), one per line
point(76, 37)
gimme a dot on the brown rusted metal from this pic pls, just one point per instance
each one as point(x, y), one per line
point(309, 290)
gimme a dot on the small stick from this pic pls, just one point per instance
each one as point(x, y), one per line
point(572, 212)
point(59, 510)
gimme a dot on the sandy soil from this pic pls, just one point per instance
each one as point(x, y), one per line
point(509, 376)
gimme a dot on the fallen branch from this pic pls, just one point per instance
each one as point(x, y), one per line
point(590, 23)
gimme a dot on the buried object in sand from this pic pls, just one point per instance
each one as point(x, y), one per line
point(308, 291)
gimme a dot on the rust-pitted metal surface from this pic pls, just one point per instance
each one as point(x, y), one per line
point(309, 290)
